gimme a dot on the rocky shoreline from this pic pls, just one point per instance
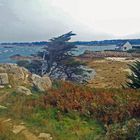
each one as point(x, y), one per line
point(19, 57)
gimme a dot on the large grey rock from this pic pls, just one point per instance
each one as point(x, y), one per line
point(17, 75)
point(2, 69)
point(23, 90)
point(4, 79)
point(42, 83)
point(45, 136)
point(19, 72)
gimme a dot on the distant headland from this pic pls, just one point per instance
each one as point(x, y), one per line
point(100, 42)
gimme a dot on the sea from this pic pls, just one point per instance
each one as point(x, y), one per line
point(9, 50)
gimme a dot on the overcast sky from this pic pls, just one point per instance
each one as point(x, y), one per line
point(34, 20)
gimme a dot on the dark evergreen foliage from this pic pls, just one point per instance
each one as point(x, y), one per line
point(134, 77)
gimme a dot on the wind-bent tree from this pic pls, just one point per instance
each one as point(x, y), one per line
point(57, 61)
point(58, 50)
point(134, 77)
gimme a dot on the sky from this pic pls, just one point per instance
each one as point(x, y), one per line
point(40, 20)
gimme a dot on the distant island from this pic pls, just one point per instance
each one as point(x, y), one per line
point(87, 43)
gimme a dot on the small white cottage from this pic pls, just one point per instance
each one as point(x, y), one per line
point(124, 47)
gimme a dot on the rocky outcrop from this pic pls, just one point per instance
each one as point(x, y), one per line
point(41, 83)
point(16, 75)
point(23, 90)
point(20, 78)
point(4, 79)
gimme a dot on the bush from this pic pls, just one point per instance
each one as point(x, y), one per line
point(128, 131)
point(105, 105)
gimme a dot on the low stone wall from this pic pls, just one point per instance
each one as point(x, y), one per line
point(90, 54)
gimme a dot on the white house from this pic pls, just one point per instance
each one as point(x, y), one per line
point(124, 47)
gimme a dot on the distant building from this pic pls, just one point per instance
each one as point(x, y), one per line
point(124, 47)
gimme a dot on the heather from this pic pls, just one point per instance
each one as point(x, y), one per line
point(73, 111)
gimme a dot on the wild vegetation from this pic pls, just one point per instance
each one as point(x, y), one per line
point(109, 74)
point(70, 111)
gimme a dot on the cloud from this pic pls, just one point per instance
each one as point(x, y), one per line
point(8, 20)
point(30, 20)
point(25, 21)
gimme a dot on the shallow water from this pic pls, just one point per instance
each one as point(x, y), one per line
point(6, 52)
point(82, 48)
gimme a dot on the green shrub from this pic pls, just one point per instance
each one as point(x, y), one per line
point(134, 77)
point(128, 131)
